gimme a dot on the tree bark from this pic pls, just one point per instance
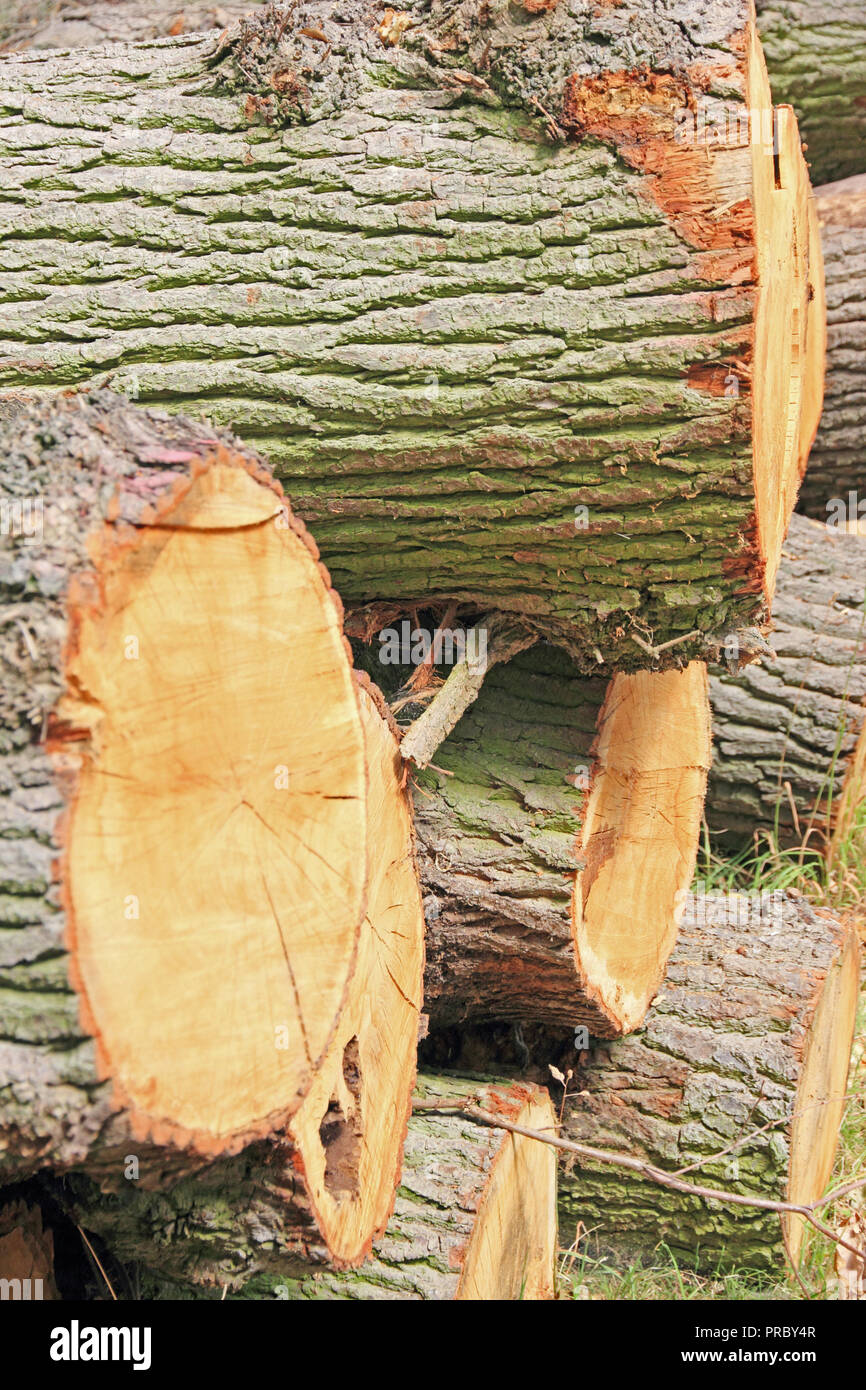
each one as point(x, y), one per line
point(816, 57)
point(194, 949)
point(745, 1050)
point(435, 265)
point(789, 750)
point(557, 837)
point(86, 23)
point(837, 463)
point(475, 1218)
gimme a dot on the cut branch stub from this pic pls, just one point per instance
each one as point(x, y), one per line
point(558, 854)
point(168, 628)
point(495, 279)
point(739, 1075)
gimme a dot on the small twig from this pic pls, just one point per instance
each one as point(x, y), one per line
point(790, 1258)
point(663, 646)
point(97, 1262)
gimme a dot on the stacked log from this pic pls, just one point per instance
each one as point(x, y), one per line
point(737, 1082)
point(474, 1219)
point(556, 803)
point(196, 954)
point(592, 418)
point(816, 56)
point(789, 749)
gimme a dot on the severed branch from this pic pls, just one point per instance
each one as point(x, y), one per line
point(652, 1173)
point(493, 639)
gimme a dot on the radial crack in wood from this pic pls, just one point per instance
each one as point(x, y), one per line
point(186, 704)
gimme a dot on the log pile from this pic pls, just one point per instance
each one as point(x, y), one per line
point(464, 317)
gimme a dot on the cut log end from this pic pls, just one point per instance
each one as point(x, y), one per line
point(216, 831)
point(819, 1102)
point(350, 1130)
point(790, 335)
point(513, 1246)
point(475, 1214)
point(640, 836)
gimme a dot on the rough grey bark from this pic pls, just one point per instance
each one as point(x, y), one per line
point(796, 719)
point(217, 1230)
point(816, 58)
point(382, 263)
point(721, 1056)
point(86, 23)
point(837, 463)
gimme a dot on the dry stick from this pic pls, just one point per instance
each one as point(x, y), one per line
point(462, 688)
point(654, 651)
point(762, 1129)
point(97, 1262)
point(657, 1175)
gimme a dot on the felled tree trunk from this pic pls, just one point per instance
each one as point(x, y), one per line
point(475, 264)
point(475, 1219)
point(557, 838)
point(834, 486)
point(741, 1069)
point(186, 950)
point(789, 749)
point(816, 57)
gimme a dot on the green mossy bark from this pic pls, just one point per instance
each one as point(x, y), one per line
point(447, 331)
point(222, 1229)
